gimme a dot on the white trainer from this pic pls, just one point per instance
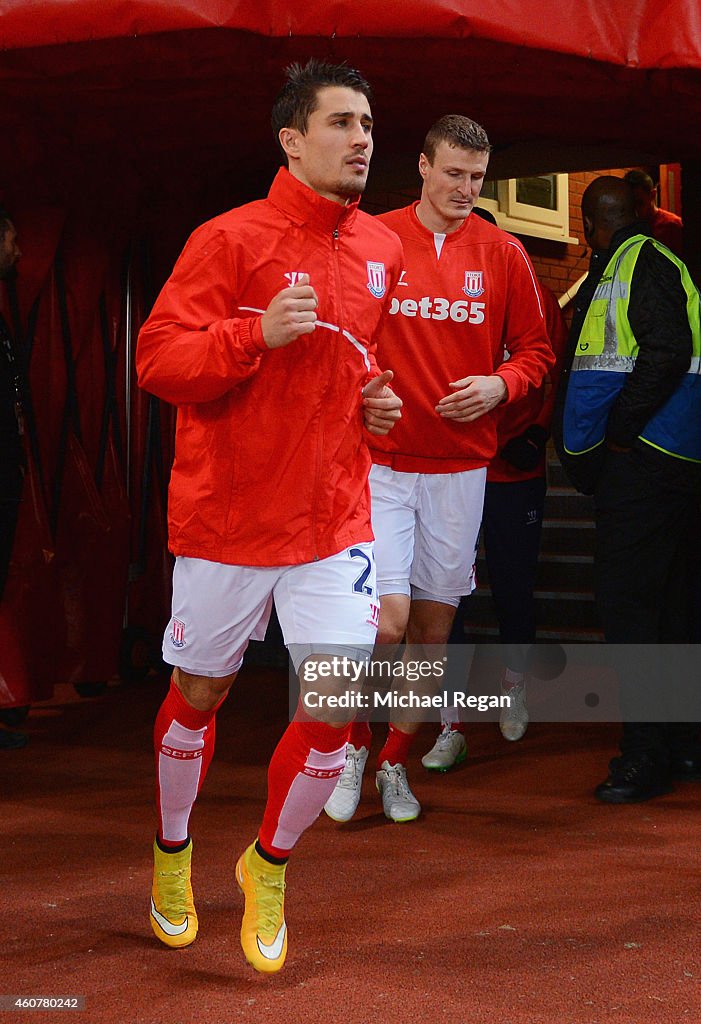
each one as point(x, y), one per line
point(448, 751)
point(398, 801)
point(513, 721)
point(343, 802)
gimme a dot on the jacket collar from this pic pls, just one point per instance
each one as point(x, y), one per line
point(450, 236)
point(638, 227)
point(305, 206)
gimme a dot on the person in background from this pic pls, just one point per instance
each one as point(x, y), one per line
point(664, 225)
point(628, 430)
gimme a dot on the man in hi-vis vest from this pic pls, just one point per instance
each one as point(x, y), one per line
point(629, 432)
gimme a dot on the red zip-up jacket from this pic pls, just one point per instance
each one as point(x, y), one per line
point(270, 464)
point(452, 317)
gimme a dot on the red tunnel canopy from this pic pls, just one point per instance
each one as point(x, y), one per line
point(633, 33)
point(176, 93)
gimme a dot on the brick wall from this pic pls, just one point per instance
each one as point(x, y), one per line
point(558, 265)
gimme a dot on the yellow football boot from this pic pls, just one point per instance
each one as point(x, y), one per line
point(173, 916)
point(263, 929)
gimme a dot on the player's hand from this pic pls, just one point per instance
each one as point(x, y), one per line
point(471, 398)
point(381, 407)
point(291, 314)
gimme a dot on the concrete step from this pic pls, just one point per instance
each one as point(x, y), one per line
point(571, 609)
point(555, 571)
point(475, 634)
point(555, 473)
point(567, 536)
point(566, 503)
point(565, 571)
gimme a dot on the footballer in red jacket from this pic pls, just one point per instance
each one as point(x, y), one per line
point(264, 337)
point(468, 293)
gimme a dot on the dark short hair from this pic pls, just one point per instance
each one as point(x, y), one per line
point(639, 179)
point(458, 131)
point(298, 97)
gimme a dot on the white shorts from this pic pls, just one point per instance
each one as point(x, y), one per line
point(426, 529)
point(325, 607)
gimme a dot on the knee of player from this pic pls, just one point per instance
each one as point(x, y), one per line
point(430, 636)
point(390, 633)
point(202, 692)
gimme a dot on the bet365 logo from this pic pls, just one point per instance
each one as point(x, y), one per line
point(440, 309)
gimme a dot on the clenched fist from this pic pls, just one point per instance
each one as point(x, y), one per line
point(290, 314)
point(382, 408)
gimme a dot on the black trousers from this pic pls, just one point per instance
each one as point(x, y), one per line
point(512, 523)
point(644, 597)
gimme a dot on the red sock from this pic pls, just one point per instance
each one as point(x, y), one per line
point(301, 777)
point(397, 746)
point(360, 735)
point(184, 744)
point(458, 727)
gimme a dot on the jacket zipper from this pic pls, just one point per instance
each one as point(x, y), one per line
point(332, 374)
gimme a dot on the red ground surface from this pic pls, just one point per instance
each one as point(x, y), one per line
point(515, 899)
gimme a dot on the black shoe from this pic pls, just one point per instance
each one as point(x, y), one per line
point(687, 769)
point(632, 780)
point(12, 740)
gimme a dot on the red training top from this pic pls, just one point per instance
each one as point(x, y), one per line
point(452, 316)
point(667, 228)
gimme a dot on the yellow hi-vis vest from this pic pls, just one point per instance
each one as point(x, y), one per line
point(605, 354)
